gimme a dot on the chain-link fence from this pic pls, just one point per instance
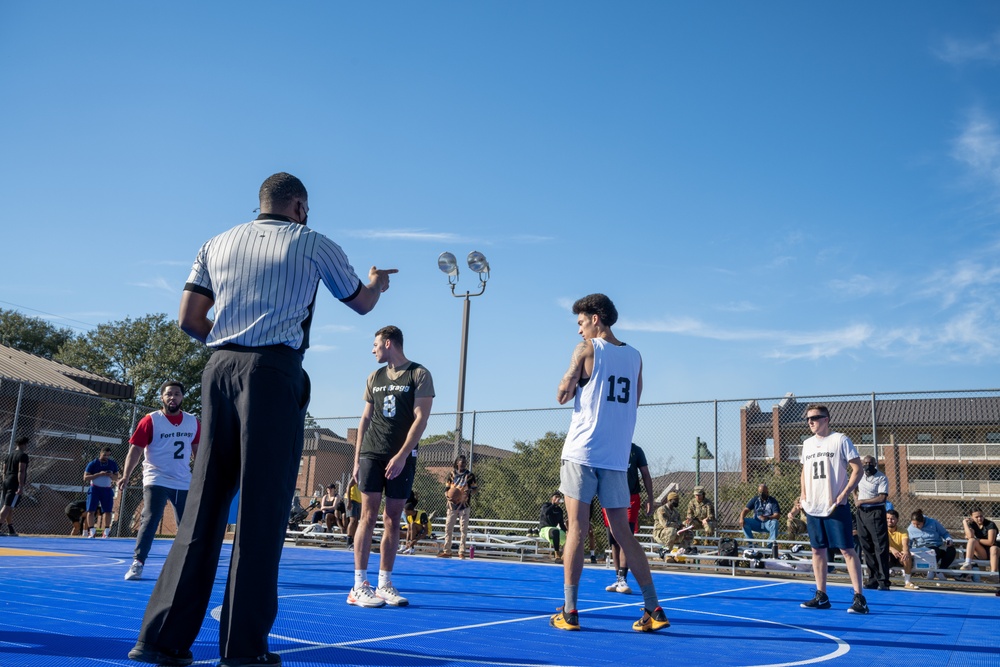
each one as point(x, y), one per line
point(940, 451)
point(66, 431)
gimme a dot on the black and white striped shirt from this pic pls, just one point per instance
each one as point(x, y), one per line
point(263, 277)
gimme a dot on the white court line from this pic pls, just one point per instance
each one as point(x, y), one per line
point(357, 645)
point(842, 646)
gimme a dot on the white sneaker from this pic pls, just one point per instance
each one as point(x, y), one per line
point(364, 596)
point(409, 552)
point(390, 595)
point(613, 588)
point(134, 572)
point(623, 587)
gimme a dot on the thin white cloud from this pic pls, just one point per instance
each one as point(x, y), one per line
point(404, 235)
point(532, 238)
point(811, 344)
point(779, 261)
point(955, 51)
point(737, 307)
point(158, 283)
point(860, 285)
point(954, 284)
point(321, 348)
point(334, 328)
point(168, 262)
point(978, 147)
point(565, 304)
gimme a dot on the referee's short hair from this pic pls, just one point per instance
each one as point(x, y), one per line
point(280, 189)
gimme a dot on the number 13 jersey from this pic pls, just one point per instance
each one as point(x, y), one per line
point(825, 471)
point(604, 409)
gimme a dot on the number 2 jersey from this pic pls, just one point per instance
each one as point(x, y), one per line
point(825, 471)
point(168, 448)
point(604, 409)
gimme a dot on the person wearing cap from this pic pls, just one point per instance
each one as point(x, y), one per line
point(701, 512)
point(166, 441)
point(667, 523)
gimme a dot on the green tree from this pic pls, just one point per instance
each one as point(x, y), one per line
point(142, 352)
point(516, 487)
point(31, 334)
point(311, 421)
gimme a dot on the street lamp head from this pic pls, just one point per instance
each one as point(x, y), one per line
point(448, 265)
point(477, 262)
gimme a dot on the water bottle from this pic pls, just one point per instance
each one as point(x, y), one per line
point(472, 552)
point(774, 549)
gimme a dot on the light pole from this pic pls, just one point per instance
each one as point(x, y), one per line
point(702, 453)
point(449, 265)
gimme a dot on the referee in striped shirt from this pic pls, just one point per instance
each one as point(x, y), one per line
point(261, 277)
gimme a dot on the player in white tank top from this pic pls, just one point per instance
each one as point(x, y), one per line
point(604, 409)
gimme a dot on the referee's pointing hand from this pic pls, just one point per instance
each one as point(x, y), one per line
point(380, 277)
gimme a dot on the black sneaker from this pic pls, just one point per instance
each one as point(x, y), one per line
point(143, 652)
point(10, 530)
point(819, 601)
point(871, 584)
point(266, 660)
point(882, 586)
point(860, 605)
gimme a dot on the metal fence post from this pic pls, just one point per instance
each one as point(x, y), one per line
point(17, 412)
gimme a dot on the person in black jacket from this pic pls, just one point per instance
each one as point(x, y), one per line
point(553, 525)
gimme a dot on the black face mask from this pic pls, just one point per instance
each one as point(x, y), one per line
point(871, 469)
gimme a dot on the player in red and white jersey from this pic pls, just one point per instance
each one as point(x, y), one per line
point(166, 441)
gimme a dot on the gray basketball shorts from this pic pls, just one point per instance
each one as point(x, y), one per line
point(582, 483)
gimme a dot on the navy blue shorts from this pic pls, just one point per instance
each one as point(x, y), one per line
point(834, 531)
point(371, 478)
point(100, 496)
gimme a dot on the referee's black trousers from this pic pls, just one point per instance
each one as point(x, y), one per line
point(253, 407)
point(873, 534)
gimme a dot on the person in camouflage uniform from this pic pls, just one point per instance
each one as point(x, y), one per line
point(701, 512)
point(667, 522)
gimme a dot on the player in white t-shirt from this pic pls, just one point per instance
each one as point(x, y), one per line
point(604, 381)
point(167, 441)
point(831, 470)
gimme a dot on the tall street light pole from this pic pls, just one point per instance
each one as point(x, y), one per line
point(449, 265)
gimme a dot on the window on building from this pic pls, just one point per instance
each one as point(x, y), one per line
point(993, 437)
point(867, 439)
point(924, 438)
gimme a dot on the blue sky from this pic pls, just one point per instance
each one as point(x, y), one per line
point(779, 197)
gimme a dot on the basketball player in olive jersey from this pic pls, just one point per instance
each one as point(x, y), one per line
point(605, 381)
point(398, 400)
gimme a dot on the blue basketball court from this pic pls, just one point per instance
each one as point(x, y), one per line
point(65, 602)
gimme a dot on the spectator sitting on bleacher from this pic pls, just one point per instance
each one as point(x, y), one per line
point(701, 512)
point(553, 525)
point(982, 536)
point(899, 549)
point(928, 533)
point(796, 521)
point(418, 525)
point(761, 515)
